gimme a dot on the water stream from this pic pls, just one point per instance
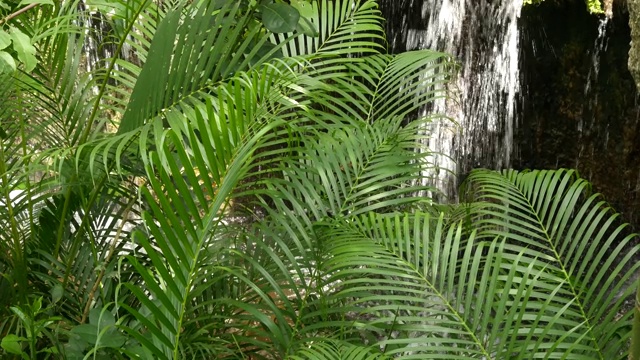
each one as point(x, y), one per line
point(95, 48)
point(483, 36)
point(591, 95)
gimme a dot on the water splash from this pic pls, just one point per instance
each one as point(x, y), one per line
point(483, 36)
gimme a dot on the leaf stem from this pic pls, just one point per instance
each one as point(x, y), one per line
point(634, 351)
point(112, 252)
point(17, 13)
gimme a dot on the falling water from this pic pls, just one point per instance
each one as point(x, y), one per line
point(598, 47)
point(95, 48)
point(483, 36)
point(101, 38)
point(591, 96)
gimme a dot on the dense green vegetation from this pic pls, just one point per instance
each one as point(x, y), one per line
point(249, 183)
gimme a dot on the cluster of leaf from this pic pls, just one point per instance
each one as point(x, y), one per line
point(17, 47)
point(258, 200)
point(21, 45)
point(281, 17)
point(14, 43)
point(594, 6)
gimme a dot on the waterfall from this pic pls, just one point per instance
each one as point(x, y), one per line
point(96, 48)
point(101, 38)
point(483, 36)
point(591, 96)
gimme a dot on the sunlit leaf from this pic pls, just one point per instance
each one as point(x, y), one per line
point(12, 344)
point(5, 39)
point(56, 293)
point(112, 339)
point(307, 27)
point(118, 9)
point(41, 2)
point(26, 51)
point(87, 332)
point(7, 63)
point(304, 7)
point(101, 318)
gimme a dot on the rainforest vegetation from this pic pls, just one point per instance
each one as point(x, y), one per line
point(251, 180)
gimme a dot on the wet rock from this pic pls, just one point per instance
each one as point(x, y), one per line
point(634, 52)
point(579, 101)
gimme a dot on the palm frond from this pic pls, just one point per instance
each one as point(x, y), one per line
point(425, 290)
point(197, 164)
point(336, 350)
point(577, 236)
point(354, 170)
point(344, 28)
point(189, 53)
point(384, 86)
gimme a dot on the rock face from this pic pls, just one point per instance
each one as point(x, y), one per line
point(579, 101)
point(634, 53)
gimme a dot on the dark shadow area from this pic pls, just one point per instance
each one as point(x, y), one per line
point(578, 105)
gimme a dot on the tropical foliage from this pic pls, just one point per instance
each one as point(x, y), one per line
point(245, 180)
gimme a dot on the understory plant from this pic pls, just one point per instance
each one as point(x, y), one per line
point(247, 186)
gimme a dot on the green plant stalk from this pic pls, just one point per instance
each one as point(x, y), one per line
point(25, 147)
point(105, 82)
point(112, 252)
point(83, 225)
point(93, 114)
point(23, 10)
point(634, 351)
point(33, 337)
point(18, 257)
point(65, 210)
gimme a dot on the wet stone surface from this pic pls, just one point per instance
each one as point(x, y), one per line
point(578, 106)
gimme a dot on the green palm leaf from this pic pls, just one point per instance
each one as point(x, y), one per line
point(355, 170)
point(344, 28)
point(375, 87)
point(425, 290)
point(577, 236)
point(335, 350)
point(199, 161)
point(189, 53)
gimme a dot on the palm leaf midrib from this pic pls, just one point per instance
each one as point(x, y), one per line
point(552, 248)
point(407, 265)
